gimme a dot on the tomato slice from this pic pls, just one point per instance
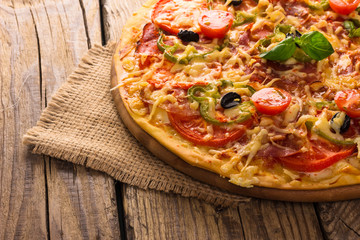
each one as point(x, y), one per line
point(175, 15)
point(195, 130)
point(319, 157)
point(215, 23)
point(344, 6)
point(349, 102)
point(271, 101)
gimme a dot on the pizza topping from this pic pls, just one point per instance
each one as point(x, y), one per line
point(349, 102)
point(175, 15)
point(344, 6)
point(353, 27)
point(271, 101)
point(314, 44)
point(340, 122)
point(188, 36)
point(147, 43)
point(316, 5)
point(236, 2)
point(207, 96)
point(242, 18)
point(319, 156)
point(199, 132)
point(215, 23)
point(230, 100)
point(322, 127)
point(188, 53)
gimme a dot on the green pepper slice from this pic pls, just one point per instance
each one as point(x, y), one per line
point(320, 133)
point(211, 91)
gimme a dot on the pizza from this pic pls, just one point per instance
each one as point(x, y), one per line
point(261, 92)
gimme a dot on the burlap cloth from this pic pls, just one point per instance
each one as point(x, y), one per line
point(81, 125)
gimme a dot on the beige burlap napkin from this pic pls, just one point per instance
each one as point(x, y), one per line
point(81, 125)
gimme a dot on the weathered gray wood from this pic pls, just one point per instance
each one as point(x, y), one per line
point(82, 202)
point(22, 181)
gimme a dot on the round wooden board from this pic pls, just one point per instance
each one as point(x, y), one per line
point(323, 195)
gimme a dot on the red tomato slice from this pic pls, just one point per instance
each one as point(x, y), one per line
point(344, 6)
point(349, 102)
point(319, 157)
point(215, 23)
point(175, 15)
point(194, 129)
point(271, 101)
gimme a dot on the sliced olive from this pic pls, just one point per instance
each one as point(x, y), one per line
point(297, 34)
point(340, 122)
point(188, 36)
point(236, 3)
point(229, 100)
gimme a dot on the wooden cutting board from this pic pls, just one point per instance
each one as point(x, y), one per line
point(324, 195)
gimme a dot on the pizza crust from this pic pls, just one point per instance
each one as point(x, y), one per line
point(195, 155)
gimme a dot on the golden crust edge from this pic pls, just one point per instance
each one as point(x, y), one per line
point(166, 139)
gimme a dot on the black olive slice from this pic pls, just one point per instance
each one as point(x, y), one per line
point(188, 36)
point(346, 124)
point(236, 3)
point(297, 34)
point(230, 99)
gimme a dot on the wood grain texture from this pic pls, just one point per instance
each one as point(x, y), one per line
point(263, 219)
point(115, 15)
point(41, 43)
point(82, 202)
point(155, 215)
point(340, 220)
point(22, 178)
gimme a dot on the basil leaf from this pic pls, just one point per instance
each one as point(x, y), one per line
point(301, 56)
point(281, 52)
point(315, 45)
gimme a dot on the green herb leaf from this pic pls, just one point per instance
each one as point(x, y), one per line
point(301, 56)
point(315, 45)
point(281, 52)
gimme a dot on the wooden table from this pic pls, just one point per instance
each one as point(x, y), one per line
point(41, 42)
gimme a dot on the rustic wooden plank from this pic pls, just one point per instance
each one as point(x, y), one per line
point(340, 220)
point(115, 14)
point(82, 202)
point(263, 219)
point(22, 181)
point(156, 215)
